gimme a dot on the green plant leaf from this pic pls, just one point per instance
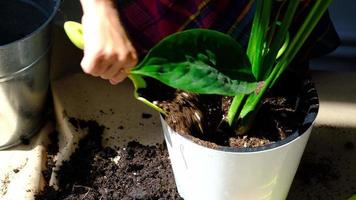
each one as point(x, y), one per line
point(269, 59)
point(352, 198)
point(255, 51)
point(280, 37)
point(253, 100)
point(201, 61)
point(140, 83)
point(257, 46)
point(303, 32)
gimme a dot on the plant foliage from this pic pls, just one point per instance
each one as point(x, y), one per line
point(209, 62)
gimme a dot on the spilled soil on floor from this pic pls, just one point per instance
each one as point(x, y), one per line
point(135, 171)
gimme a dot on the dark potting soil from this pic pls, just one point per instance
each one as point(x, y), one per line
point(53, 146)
point(146, 115)
point(201, 117)
point(142, 172)
point(52, 150)
point(25, 141)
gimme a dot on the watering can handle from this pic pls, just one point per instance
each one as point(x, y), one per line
point(74, 31)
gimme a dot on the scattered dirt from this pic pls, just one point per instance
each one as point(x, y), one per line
point(146, 115)
point(25, 141)
point(202, 118)
point(52, 147)
point(94, 172)
point(4, 183)
point(52, 150)
point(143, 172)
point(349, 146)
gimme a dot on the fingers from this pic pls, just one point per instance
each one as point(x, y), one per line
point(124, 69)
point(110, 66)
point(108, 51)
point(118, 77)
point(91, 64)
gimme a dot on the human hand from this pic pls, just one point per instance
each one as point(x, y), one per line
point(108, 52)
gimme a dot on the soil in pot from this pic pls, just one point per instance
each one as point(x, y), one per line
point(200, 117)
point(95, 172)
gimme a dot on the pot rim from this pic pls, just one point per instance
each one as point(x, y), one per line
point(242, 150)
point(308, 123)
point(40, 28)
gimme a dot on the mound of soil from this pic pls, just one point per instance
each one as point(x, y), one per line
point(94, 172)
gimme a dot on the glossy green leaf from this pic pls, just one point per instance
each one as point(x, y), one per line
point(257, 47)
point(269, 57)
point(352, 198)
point(254, 100)
point(280, 38)
point(315, 14)
point(255, 51)
point(201, 61)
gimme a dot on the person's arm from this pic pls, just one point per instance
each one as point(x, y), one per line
point(108, 52)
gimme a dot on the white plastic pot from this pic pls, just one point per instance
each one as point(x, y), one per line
point(236, 173)
point(204, 173)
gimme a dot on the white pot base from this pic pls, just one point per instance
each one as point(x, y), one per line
point(209, 174)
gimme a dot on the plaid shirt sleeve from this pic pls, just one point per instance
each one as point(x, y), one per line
point(148, 21)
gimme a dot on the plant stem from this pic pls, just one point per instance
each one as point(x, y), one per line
point(280, 37)
point(254, 100)
point(254, 52)
point(304, 31)
point(274, 25)
point(138, 83)
point(257, 44)
point(235, 107)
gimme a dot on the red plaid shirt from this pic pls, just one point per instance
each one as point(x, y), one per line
point(148, 21)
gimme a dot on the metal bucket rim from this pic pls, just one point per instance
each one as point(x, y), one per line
point(13, 75)
point(48, 20)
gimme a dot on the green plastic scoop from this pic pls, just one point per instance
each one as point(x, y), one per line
point(74, 31)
